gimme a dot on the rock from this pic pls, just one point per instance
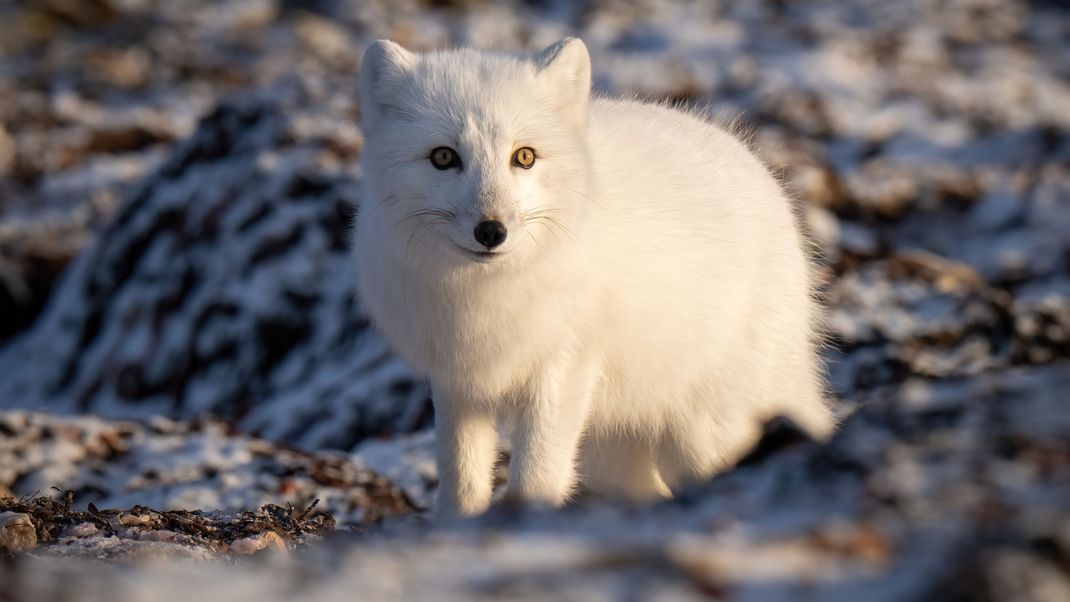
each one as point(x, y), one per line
point(326, 39)
point(408, 461)
point(79, 530)
point(173, 465)
point(163, 535)
point(997, 210)
point(7, 152)
point(858, 239)
point(268, 540)
point(64, 530)
point(223, 286)
point(824, 229)
point(916, 314)
point(16, 532)
point(89, 12)
point(1042, 320)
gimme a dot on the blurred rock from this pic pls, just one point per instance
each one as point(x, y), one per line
point(16, 532)
point(326, 39)
point(916, 313)
point(178, 466)
point(223, 286)
point(7, 153)
point(83, 12)
point(268, 540)
point(140, 534)
point(1042, 321)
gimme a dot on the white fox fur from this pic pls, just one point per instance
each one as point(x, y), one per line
point(651, 304)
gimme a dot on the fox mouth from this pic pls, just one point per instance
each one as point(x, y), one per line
point(480, 256)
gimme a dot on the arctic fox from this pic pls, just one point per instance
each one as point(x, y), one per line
point(623, 284)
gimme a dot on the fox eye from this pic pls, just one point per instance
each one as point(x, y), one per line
point(524, 157)
point(444, 157)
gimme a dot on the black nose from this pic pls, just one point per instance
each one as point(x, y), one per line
point(490, 233)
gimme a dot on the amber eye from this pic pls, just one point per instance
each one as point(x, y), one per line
point(524, 157)
point(444, 157)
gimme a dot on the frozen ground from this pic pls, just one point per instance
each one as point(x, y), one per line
point(198, 160)
point(950, 490)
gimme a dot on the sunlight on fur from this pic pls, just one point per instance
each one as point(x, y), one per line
point(633, 296)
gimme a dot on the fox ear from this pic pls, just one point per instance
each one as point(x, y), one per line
point(382, 75)
point(567, 64)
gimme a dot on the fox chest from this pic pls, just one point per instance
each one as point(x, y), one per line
point(494, 339)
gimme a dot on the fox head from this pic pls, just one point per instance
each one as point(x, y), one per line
point(474, 160)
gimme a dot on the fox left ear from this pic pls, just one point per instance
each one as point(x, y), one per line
point(383, 72)
point(568, 65)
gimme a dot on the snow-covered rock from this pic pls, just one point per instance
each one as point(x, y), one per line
point(222, 287)
point(174, 465)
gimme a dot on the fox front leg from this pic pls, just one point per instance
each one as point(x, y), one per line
point(467, 447)
point(549, 425)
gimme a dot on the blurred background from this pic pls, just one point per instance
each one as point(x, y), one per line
point(177, 178)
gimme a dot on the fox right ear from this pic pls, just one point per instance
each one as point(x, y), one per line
point(382, 74)
point(567, 65)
